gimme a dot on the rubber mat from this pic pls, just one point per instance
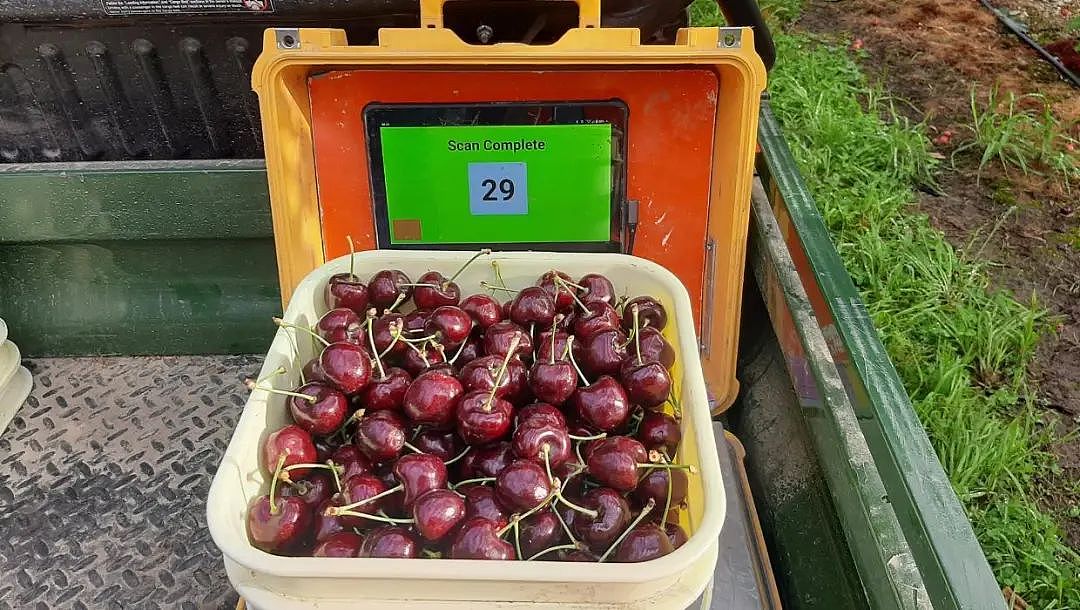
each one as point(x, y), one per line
point(104, 474)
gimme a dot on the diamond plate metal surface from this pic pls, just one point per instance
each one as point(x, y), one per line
point(104, 474)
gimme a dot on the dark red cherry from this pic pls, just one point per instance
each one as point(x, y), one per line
point(646, 383)
point(420, 360)
point(654, 485)
point(486, 461)
point(483, 309)
point(346, 366)
point(359, 488)
point(576, 555)
point(385, 393)
point(613, 461)
point(559, 291)
point(478, 538)
point(468, 351)
point(352, 460)
point(314, 490)
point(295, 444)
point(676, 534)
point(444, 444)
point(540, 531)
point(385, 286)
point(544, 348)
point(498, 338)
point(532, 307)
point(384, 329)
point(312, 371)
point(440, 292)
point(650, 313)
point(480, 375)
point(341, 544)
point(646, 541)
point(542, 412)
point(603, 353)
point(347, 290)
point(419, 473)
point(660, 431)
point(432, 398)
point(553, 382)
point(323, 415)
point(601, 317)
point(353, 333)
point(390, 543)
point(613, 515)
point(532, 436)
point(603, 405)
point(415, 321)
point(380, 436)
point(597, 288)
point(654, 347)
point(437, 512)
point(325, 525)
point(281, 529)
point(523, 485)
point(339, 318)
point(483, 418)
point(449, 325)
point(480, 502)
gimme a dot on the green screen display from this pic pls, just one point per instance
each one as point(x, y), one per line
point(498, 184)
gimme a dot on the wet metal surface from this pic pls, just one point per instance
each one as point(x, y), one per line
point(103, 480)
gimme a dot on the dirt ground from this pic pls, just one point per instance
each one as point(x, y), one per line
point(932, 53)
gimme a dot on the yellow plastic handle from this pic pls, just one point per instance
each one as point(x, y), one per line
point(431, 13)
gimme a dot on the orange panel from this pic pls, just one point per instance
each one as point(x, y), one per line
point(670, 146)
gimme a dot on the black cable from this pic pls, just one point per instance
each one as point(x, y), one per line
point(1021, 33)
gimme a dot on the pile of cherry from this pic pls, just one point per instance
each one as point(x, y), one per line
point(470, 429)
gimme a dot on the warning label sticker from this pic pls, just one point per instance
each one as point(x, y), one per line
point(163, 7)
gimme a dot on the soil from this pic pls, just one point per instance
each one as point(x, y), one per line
point(933, 53)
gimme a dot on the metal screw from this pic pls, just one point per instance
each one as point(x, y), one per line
point(484, 33)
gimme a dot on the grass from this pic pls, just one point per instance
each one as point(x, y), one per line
point(961, 347)
point(1021, 132)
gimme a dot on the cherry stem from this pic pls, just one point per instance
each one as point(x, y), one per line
point(398, 301)
point(421, 339)
point(354, 417)
point(349, 513)
point(251, 385)
point(555, 274)
point(273, 483)
point(498, 273)
point(634, 310)
point(493, 287)
point(566, 528)
point(480, 480)
point(570, 352)
point(502, 370)
point(644, 511)
point(559, 280)
point(667, 502)
point(517, 538)
point(577, 452)
point(284, 324)
point(554, 328)
point(581, 509)
point(337, 510)
point(514, 520)
point(594, 437)
point(395, 334)
point(461, 348)
point(561, 547)
point(411, 447)
point(337, 477)
point(546, 450)
point(483, 252)
point(274, 373)
point(329, 465)
point(352, 256)
point(371, 340)
point(458, 456)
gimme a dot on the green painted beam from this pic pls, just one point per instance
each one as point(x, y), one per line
point(945, 548)
point(141, 297)
point(218, 199)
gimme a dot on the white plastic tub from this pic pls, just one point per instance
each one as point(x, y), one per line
point(266, 581)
